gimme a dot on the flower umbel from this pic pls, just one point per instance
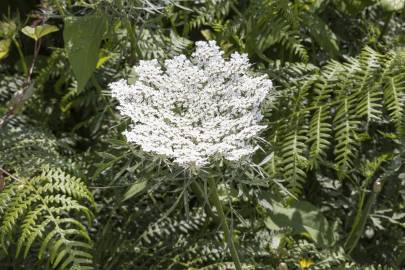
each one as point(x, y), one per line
point(193, 109)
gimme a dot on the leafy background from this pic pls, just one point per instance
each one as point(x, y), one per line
point(326, 190)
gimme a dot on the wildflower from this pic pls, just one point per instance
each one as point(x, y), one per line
point(193, 109)
point(305, 263)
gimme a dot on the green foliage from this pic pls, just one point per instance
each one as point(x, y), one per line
point(350, 102)
point(391, 5)
point(39, 31)
point(303, 218)
point(4, 47)
point(39, 209)
point(82, 36)
point(42, 205)
point(335, 128)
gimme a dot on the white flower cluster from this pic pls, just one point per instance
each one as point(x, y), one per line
point(193, 109)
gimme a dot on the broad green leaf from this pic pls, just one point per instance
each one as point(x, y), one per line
point(39, 31)
point(303, 218)
point(4, 47)
point(134, 190)
point(392, 5)
point(82, 36)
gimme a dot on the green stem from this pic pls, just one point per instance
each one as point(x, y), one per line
point(227, 232)
point(199, 193)
point(96, 84)
point(22, 59)
point(60, 8)
point(400, 258)
point(132, 37)
point(359, 222)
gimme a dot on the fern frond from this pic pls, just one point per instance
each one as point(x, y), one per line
point(370, 105)
point(367, 85)
point(319, 134)
point(394, 91)
point(18, 146)
point(160, 44)
point(320, 128)
point(39, 210)
point(294, 161)
point(346, 126)
point(358, 80)
point(208, 12)
point(395, 100)
point(293, 44)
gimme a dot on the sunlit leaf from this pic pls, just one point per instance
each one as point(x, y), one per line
point(134, 190)
point(39, 31)
point(392, 5)
point(305, 263)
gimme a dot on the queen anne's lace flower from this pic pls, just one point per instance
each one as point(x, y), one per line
point(193, 109)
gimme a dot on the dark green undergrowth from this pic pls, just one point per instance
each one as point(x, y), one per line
point(326, 189)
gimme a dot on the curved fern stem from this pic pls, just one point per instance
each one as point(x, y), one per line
point(227, 232)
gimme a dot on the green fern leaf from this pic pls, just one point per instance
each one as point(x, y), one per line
point(319, 134)
point(394, 96)
point(346, 125)
point(39, 209)
point(294, 161)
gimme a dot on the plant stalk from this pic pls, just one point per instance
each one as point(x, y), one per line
point(227, 232)
point(21, 55)
point(199, 193)
point(18, 100)
point(360, 221)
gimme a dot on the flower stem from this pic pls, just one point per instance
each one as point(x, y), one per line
point(202, 198)
point(227, 232)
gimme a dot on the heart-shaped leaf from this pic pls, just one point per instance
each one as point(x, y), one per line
point(82, 36)
point(39, 31)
